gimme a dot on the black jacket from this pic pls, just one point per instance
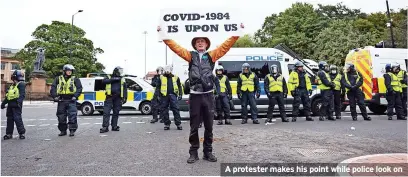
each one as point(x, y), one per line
point(266, 83)
point(256, 83)
point(323, 78)
point(116, 86)
point(352, 77)
point(77, 84)
point(200, 72)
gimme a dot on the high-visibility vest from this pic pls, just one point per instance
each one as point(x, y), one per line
point(66, 87)
point(163, 85)
point(348, 82)
point(275, 85)
point(321, 85)
point(13, 92)
point(223, 86)
point(108, 87)
point(401, 77)
point(248, 84)
point(336, 81)
point(293, 82)
point(395, 82)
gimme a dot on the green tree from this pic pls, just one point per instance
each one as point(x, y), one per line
point(56, 40)
point(339, 11)
point(245, 41)
point(263, 35)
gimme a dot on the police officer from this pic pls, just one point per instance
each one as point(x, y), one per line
point(15, 95)
point(276, 90)
point(402, 75)
point(394, 91)
point(352, 81)
point(65, 90)
point(247, 88)
point(300, 88)
point(156, 97)
point(337, 90)
point(116, 96)
point(222, 99)
point(171, 91)
point(325, 87)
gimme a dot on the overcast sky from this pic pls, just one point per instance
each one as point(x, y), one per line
point(117, 26)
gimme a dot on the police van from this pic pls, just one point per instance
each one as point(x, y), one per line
point(370, 62)
point(93, 95)
point(260, 60)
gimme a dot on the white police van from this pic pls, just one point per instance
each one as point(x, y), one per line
point(93, 95)
point(260, 60)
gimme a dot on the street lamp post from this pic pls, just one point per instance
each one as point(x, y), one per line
point(165, 51)
point(390, 25)
point(72, 33)
point(145, 33)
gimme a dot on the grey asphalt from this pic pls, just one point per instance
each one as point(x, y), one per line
point(141, 148)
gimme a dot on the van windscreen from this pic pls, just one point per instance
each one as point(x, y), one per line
point(261, 68)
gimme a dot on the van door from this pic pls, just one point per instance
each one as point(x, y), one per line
point(134, 94)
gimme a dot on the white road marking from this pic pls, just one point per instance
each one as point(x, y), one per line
point(145, 117)
point(183, 121)
point(47, 139)
point(32, 119)
point(103, 135)
point(84, 123)
point(140, 122)
point(88, 118)
point(43, 125)
point(3, 126)
point(98, 123)
point(42, 119)
point(98, 118)
point(126, 122)
point(55, 124)
point(31, 125)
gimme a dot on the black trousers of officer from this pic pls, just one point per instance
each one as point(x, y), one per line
point(249, 97)
point(394, 101)
point(223, 106)
point(13, 115)
point(201, 110)
point(327, 107)
point(170, 100)
point(276, 98)
point(404, 101)
point(155, 105)
point(302, 95)
point(67, 108)
point(357, 97)
point(111, 103)
point(337, 102)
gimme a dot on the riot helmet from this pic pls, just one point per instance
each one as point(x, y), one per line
point(333, 69)
point(395, 67)
point(324, 66)
point(388, 67)
point(274, 69)
point(68, 69)
point(168, 69)
point(349, 67)
point(118, 71)
point(299, 66)
point(160, 70)
point(17, 76)
point(219, 70)
point(246, 68)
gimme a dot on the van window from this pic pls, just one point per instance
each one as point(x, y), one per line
point(261, 68)
point(132, 85)
point(99, 86)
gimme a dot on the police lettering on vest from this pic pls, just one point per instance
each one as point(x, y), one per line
point(247, 83)
point(223, 86)
point(108, 87)
point(321, 85)
point(13, 92)
point(275, 85)
point(66, 87)
point(163, 87)
point(401, 75)
point(348, 82)
point(395, 82)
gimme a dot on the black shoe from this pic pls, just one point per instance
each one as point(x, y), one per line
point(321, 118)
point(285, 119)
point(227, 122)
point(63, 133)
point(255, 121)
point(210, 157)
point(71, 133)
point(367, 118)
point(338, 117)
point(354, 118)
point(390, 118)
point(179, 127)
point(154, 121)
point(219, 122)
point(294, 119)
point(332, 118)
point(116, 129)
point(193, 158)
point(103, 130)
point(244, 121)
point(166, 127)
point(22, 136)
point(161, 121)
point(309, 118)
point(402, 118)
point(9, 136)
point(268, 120)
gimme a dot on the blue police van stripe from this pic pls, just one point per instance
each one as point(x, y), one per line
point(144, 95)
point(89, 96)
point(137, 96)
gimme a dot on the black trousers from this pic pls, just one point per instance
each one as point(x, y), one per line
point(357, 97)
point(155, 105)
point(337, 102)
point(327, 107)
point(111, 103)
point(201, 110)
point(249, 97)
point(223, 106)
point(404, 101)
point(276, 98)
point(302, 96)
point(13, 115)
point(167, 101)
point(67, 108)
point(394, 102)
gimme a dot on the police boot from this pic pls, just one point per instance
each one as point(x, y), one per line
point(71, 133)
point(308, 118)
point(321, 118)
point(161, 121)
point(210, 157)
point(354, 118)
point(338, 117)
point(166, 127)
point(244, 120)
point(390, 118)
point(116, 129)
point(179, 127)
point(255, 121)
point(294, 119)
point(219, 122)
point(104, 130)
point(367, 118)
point(228, 122)
point(268, 120)
point(193, 158)
point(332, 118)
point(8, 136)
point(63, 133)
point(22, 136)
point(402, 118)
point(154, 121)
point(285, 119)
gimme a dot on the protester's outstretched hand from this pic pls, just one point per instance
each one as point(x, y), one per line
point(158, 28)
point(242, 25)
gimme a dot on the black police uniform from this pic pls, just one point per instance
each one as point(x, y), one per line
point(301, 95)
point(14, 111)
point(404, 81)
point(170, 100)
point(354, 93)
point(222, 100)
point(394, 98)
point(247, 96)
point(338, 95)
point(113, 102)
point(66, 104)
point(156, 99)
point(326, 111)
point(276, 97)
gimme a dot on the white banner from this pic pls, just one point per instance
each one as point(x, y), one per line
point(181, 23)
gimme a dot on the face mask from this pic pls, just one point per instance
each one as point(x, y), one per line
point(333, 71)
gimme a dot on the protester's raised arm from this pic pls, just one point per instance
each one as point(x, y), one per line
point(180, 51)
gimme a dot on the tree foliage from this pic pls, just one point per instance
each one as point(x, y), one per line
point(56, 40)
point(245, 41)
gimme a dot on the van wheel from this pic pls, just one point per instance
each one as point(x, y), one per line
point(377, 109)
point(316, 105)
point(87, 109)
point(146, 108)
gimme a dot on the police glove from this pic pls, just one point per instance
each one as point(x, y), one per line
point(332, 85)
point(3, 105)
point(180, 97)
point(285, 95)
point(239, 95)
point(257, 94)
point(310, 92)
point(74, 99)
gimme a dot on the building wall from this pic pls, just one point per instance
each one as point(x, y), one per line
point(7, 68)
